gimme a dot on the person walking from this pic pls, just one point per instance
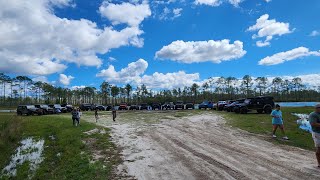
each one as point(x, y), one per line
point(314, 119)
point(96, 115)
point(277, 121)
point(75, 115)
point(79, 115)
point(114, 113)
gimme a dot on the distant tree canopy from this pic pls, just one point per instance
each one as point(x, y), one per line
point(22, 90)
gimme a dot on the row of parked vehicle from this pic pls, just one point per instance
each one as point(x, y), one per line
point(157, 106)
point(261, 104)
point(43, 109)
point(92, 107)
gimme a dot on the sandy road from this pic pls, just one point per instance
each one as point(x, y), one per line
point(202, 147)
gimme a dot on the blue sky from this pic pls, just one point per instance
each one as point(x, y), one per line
point(67, 44)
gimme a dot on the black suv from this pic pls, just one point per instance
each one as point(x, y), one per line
point(230, 107)
point(143, 106)
point(179, 105)
point(260, 104)
point(108, 107)
point(222, 106)
point(28, 110)
point(45, 108)
point(156, 106)
point(57, 108)
point(100, 107)
point(69, 107)
point(86, 107)
point(168, 105)
point(134, 107)
point(189, 105)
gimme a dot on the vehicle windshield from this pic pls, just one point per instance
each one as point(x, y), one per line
point(247, 101)
point(44, 106)
point(31, 106)
point(57, 106)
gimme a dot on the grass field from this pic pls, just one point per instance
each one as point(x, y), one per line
point(261, 124)
point(69, 153)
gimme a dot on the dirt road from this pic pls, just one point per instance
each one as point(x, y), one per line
point(203, 147)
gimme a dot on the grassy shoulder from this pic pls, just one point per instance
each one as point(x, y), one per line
point(261, 124)
point(69, 152)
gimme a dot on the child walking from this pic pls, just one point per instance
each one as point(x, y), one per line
point(277, 121)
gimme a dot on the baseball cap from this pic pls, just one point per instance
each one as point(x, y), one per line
point(317, 105)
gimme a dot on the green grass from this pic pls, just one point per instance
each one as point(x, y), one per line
point(8, 107)
point(75, 160)
point(261, 124)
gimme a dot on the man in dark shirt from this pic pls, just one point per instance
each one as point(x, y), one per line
point(314, 119)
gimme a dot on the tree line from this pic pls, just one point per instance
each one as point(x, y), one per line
point(22, 90)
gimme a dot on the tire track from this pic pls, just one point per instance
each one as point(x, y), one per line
point(234, 173)
point(180, 156)
point(277, 167)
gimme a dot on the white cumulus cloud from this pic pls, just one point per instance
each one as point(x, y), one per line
point(202, 51)
point(128, 74)
point(30, 33)
point(65, 80)
point(235, 2)
point(268, 28)
point(208, 2)
point(217, 2)
point(127, 13)
point(169, 80)
point(134, 73)
point(288, 56)
point(314, 33)
point(176, 12)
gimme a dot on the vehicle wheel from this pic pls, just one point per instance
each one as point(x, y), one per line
point(243, 111)
point(267, 110)
point(260, 111)
point(228, 110)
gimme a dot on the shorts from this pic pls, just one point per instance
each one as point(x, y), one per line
point(277, 122)
point(316, 139)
